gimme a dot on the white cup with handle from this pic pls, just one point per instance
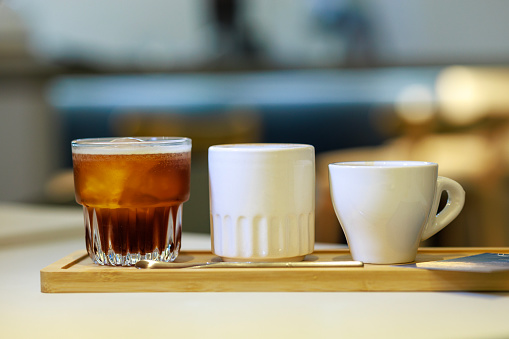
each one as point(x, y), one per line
point(387, 207)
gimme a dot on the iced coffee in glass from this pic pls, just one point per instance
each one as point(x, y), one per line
point(132, 191)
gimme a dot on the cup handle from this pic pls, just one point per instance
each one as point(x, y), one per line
point(455, 202)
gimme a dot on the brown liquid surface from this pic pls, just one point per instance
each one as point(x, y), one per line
point(132, 200)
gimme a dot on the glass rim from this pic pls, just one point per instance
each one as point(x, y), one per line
point(140, 141)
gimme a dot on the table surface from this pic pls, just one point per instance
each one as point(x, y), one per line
point(32, 237)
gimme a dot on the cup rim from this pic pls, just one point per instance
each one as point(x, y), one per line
point(260, 147)
point(379, 164)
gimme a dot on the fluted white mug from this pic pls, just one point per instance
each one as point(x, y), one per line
point(262, 201)
point(387, 207)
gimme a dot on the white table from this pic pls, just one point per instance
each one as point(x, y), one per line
point(34, 237)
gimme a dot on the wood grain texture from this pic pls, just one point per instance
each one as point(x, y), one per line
point(76, 273)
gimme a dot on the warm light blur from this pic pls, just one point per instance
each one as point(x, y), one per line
point(459, 155)
point(467, 94)
point(459, 96)
point(414, 104)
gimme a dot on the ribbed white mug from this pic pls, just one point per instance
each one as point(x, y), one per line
point(262, 201)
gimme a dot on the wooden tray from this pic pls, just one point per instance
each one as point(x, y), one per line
point(77, 273)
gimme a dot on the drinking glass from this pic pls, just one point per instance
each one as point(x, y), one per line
point(132, 191)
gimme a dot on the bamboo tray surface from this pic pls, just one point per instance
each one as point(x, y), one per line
point(77, 273)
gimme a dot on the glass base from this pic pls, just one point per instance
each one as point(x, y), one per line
point(122, 237)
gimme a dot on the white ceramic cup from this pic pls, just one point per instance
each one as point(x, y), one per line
point(262, 201)
point(387, 207)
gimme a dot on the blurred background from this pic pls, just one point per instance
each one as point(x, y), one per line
point(359, 80)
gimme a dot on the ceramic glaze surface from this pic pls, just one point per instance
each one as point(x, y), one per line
point(262, 201)
point(387, 208)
